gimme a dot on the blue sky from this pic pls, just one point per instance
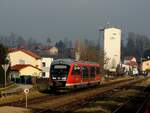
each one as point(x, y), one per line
point(72, 18)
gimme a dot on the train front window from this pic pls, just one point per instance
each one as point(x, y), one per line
point(59, 70)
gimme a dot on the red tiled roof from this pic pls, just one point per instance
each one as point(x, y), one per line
point(10, 50)
point(18, 67)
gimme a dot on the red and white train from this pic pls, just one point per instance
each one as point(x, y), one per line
point(70, 73)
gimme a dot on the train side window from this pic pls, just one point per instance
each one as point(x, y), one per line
point(84, 72)
point(92, 71)
point(76, 70)
point(97, 70)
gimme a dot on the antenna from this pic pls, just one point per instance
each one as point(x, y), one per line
point(108, 25)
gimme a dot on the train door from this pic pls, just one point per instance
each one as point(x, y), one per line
point(76, 73)
point(92, 73)
point(98, 77)
point(85, 75)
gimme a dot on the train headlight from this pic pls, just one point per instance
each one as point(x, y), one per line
point(54, 78)
point(61, 62)
point(63, 78)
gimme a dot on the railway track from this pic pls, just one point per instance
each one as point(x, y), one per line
point(54, 95)
point(135, 104)
point(84, 96)
point(82, 100)
point(117, 100)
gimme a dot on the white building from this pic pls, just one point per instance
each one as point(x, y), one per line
point(46, 63)
point(110, 42)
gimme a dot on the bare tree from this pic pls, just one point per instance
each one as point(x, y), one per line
point(131, 46)
point(89, 52)
point(136, 44)
point(20, 42)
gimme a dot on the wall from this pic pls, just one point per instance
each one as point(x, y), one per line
point(16, 57)
point(146, 65)
point(112, 46)
point(30, 71)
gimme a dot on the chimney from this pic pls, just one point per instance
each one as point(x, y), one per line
point(77, 56)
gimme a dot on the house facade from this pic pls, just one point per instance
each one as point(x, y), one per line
point(22, 56)
point(46, 63)
point(25, 63)
point(131, 65)
point(146, 65)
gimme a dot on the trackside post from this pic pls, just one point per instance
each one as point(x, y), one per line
point(26, 91)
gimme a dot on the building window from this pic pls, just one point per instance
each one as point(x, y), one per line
point(21, 61)
point(43, 74)
point(43, 64)
point(112, 38)
point(114, 34)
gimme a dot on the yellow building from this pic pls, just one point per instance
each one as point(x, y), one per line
point(146, 65)
point(24, 63)
point(26, 70)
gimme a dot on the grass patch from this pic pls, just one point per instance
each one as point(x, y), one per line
point(20, 97)
point(127, 93)
point(42, 87)
point(92, 110)
point(108, 103)
point(99, 107)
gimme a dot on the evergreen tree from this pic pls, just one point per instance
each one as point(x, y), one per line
point(3, 60)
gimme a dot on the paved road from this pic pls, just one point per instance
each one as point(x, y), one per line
point(20, 87)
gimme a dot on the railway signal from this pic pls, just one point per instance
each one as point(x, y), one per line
point(5, 68)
